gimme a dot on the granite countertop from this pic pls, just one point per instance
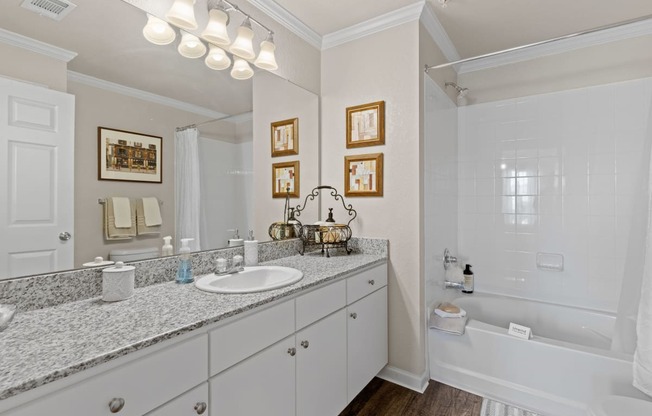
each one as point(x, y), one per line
point(45, 345)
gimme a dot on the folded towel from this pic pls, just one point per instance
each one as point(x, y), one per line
point(110, 230)
point(453, 326)
point(151, 211)
point(444, 314)
point(122, 211)
point(141, 217)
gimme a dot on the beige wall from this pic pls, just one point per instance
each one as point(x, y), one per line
point(24, 65)
point(96, 107)
point(383, 66)
point(274, 100)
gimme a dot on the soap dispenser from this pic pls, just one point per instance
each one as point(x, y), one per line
point(184, 273)
point(167, 249)
point(468, 283)
point(251, 250)
point(236, 240)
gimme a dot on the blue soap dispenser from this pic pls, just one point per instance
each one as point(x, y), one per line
point(184, 273)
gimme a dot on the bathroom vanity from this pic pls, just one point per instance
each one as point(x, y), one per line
point(307, 349)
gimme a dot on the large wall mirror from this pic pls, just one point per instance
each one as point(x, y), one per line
point(121, 81)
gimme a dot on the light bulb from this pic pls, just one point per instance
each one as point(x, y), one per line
point(216, 31)
point(182, 14)
point(190, 46)
point(158, 31)
point(242, 46)
point(241, 69)
point(217, 58)
point(266, 59)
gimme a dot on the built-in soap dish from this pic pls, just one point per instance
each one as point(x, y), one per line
point(6, 315)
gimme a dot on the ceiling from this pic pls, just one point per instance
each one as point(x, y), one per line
point(114, 49)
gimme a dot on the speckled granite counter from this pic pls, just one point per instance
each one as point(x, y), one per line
point(44, 345)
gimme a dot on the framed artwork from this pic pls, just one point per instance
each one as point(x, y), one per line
point(285, 137)
point(363, 175)
point(285, 176)
point(365, 125)
point(128, 156)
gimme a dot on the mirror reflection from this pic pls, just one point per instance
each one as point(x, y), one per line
point(115, 78)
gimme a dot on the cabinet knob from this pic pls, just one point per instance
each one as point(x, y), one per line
point(116, 404)
point(354, 315)
point(372, 282)
point(292, 351)
point(200, 408)
point(305, 344)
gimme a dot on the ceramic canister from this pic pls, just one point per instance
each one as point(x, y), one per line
point(118, 282)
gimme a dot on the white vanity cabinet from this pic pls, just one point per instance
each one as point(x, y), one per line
point(193, 402)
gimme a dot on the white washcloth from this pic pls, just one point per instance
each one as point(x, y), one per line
point(453, 326)
point(121, 211)
point(152, 211)
point(444, 314)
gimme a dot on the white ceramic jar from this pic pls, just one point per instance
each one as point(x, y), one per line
point(118, 282)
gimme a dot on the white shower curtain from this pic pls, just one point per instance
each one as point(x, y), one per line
point(187, 187)
point(643, 353)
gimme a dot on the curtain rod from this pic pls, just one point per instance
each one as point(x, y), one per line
point(543, 42)
point(194, 126)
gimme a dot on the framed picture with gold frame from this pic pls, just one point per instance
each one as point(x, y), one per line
point(285, 137)
point(365, 125)
point(285, 176)
point(363, 175)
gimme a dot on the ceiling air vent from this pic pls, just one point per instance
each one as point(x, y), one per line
point(54, 9)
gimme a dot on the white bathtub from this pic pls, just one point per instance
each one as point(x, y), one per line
point(564, 367)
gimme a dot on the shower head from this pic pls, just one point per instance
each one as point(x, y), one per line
point(461, 92)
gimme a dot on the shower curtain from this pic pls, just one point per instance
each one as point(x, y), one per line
point(187, 186)
point(643, 354)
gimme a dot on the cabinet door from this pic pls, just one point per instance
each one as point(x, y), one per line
point(321, 367)
point(260, 385)
point(191, 403)
point(367, 340)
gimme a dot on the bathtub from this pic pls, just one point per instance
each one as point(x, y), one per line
point(566, 364)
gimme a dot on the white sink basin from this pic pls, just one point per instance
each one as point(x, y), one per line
point(251, 279)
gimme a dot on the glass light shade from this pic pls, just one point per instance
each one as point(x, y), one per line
point(217, 58)
point(266, 59)
point(190, 46)
point(242, 45)
point(182, 14)
point(241, 69)
point(215, 31)
point(158, 31)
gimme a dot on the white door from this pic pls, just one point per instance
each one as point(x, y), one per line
point(36, 179)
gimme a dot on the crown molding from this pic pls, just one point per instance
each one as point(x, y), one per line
point(51, 51)
point(143, 95)
point(377, 24)
point(629, 31)
point(438, 34)
point(287, 19)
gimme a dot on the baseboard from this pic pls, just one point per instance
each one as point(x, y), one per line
point(418, 383)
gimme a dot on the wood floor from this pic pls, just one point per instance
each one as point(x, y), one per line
point(382, 398)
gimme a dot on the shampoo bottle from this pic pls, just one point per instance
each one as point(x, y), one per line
point(167, 249)
point(184, 273)
point(468, 280)
point(251, 250)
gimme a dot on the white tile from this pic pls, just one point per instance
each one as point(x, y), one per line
point(527, 186)
point(602, 204)
point(527, 205)
point(505, 149)
point(505, 131)
point(505, 186)
point(527, 167)
point(602, 164)
point(485, 204)
point(550, 185)
point(484, 187)
point(630, 140)
point(575, 205)
point(506, 205)
point(577, 184)
point(527, 223)
point(505, 168)
point(466, 187)
point(527, 148)
point(550, 205)
point(631, 163)
point(484, 170)
point(549, 166)
point(602, 184)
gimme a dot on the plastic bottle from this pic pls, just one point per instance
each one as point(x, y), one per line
point(184, 273)
point(167, 249)
point(468, 280)
point(251, 250)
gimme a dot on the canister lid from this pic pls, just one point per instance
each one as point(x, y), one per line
point(118, 268)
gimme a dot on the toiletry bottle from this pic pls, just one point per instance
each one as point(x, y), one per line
point(184, 273)
point(468, 280)
point(167, 249)
point(251, 250)
point(236, 240)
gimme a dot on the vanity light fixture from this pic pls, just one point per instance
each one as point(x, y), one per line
point(266, 59)
point(243, 46)
point(158, 31)
point(182, 14)
point(190, 46)
point(241, 69)
point(217, 59)
point(216, 31)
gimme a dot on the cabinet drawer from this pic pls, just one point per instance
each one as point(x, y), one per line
point(366, 282)
point(238, 340)
point(191, 403)
point(317, 304)
point(143, 384)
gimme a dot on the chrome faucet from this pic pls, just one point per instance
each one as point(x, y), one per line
point(454, 285)
point(236, 266)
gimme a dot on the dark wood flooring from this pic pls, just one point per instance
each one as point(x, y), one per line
point(382, 398)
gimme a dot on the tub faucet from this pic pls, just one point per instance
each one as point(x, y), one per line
point(454, 285)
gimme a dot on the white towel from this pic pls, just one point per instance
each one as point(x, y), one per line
point(110, 230)
point(453, 326)
point(152, 211)
point(444, 314)
point(143, 229)
point(121, 212)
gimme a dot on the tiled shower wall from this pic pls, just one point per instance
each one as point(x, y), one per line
point(554, 173)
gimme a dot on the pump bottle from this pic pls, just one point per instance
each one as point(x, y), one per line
point(184, 273)
point(467, 286)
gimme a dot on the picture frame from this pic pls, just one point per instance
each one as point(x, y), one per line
point(285, 137)
point(129, 156)
point(363, 175)
point(365, 125)
point(286, 175)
